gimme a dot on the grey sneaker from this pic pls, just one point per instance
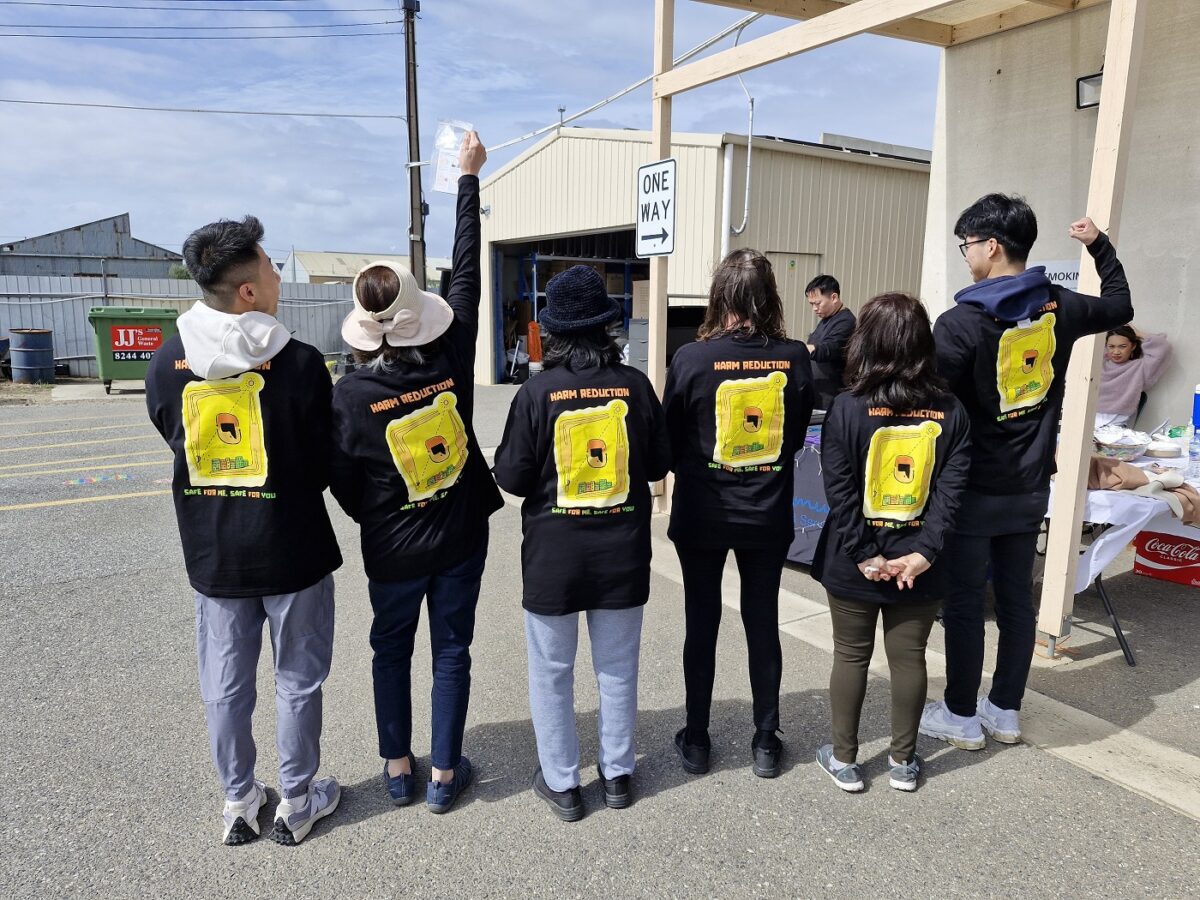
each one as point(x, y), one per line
point(295, 816)
point(963, 732)
point(904, 777)
point(241, 816)
point(848, 778)
point(1002, 724)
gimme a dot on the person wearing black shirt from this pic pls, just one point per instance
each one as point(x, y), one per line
point(581, 444)
point(245, 410)
point(737, 403)
point(827, 343)
point(1004, 348)
point(408, 469)
point(894, 453)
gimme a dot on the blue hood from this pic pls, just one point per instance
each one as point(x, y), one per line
point(1009, 298)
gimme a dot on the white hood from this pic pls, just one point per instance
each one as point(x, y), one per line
point(220, 344)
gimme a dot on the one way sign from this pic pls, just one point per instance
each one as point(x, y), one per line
point(655, 214)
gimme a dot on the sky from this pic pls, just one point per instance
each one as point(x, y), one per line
point(505, 66)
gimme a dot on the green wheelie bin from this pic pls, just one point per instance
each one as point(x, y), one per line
point(126, 338)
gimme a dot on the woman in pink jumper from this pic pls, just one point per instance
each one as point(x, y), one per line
point(1133, 363)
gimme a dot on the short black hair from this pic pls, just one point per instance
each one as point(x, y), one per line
point(1008, 219)
point(590, 349)
point(215, 252)
point(826, 284)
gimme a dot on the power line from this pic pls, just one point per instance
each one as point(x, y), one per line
point(198, 37)
point(205, 27)
point(215, 112)
point(222, 9)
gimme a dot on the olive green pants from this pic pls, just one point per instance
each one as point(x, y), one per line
point(906, 627)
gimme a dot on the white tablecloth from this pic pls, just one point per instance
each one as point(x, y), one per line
point(1128, 513)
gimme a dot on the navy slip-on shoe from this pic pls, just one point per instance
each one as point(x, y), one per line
point(402, 789)
point(440, 797)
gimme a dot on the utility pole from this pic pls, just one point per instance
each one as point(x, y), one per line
point(416, 228)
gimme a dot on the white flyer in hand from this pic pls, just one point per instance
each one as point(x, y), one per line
point(449, 140)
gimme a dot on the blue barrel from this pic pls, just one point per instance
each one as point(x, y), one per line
point(32, 354)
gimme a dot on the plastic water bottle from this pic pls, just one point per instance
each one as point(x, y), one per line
point(1193, 469)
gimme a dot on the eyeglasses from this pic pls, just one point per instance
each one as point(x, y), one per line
point(962, 248)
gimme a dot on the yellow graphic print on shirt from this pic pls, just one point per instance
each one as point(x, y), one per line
point(223, 432)
point(429, 447)
point(1025, 364)
point(750, 420)
point(591, 455)
point(900, 464)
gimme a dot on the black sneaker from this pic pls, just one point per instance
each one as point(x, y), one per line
point(617, 794)
point(567, 805)
point(768, 753)
point(694, 757)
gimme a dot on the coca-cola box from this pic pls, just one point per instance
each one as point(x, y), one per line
point(1171, 557)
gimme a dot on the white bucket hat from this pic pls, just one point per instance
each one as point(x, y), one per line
point(414, 318)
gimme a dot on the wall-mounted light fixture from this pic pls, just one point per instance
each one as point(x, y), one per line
point(1087, 90)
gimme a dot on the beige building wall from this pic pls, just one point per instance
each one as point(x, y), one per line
point(583, 180)
point(1010, 125)
point(813, 210)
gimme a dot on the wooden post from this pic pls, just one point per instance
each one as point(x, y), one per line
point(1109, 159)
point(660, 148)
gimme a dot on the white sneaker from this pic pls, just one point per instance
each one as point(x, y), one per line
point(295, 817)
point(1001, 724)
point(963, 732)
point(241, 816)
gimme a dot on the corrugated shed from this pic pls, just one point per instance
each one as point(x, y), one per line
point(813, 210)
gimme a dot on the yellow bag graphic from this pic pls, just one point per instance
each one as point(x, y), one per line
point(899, 470)
point(223, 432)
point(750, 420)
point(591, 455)
point(1025, 364)
point(429, 447)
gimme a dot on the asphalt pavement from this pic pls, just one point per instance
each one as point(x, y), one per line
point(110, 791)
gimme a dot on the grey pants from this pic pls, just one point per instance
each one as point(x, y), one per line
point(616, 638)
point(228, 640)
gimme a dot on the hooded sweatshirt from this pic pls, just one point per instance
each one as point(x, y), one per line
point(1004, 348)
point(245, 410)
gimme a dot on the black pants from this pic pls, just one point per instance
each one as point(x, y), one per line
point(964, 563)
point(760, 570)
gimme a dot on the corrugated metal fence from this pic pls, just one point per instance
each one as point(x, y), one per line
point(313, 312)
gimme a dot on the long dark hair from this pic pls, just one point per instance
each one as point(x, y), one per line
point(890, 359)
point(1130, 335)
point(743, 299)
point(376, 288)
point(588, 349)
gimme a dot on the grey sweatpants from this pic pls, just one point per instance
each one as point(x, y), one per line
point(616, 638)
point(228, 640)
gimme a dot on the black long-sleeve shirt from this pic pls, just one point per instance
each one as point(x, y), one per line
point(1013, 444)
point(251, 465)
point(737, 411)
point(828, 355)
point(406, 464)
point(893, 480)
point(581, 446)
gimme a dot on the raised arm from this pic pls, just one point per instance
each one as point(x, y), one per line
point(1156, 350)
point(465, 285)
point(1114, 306)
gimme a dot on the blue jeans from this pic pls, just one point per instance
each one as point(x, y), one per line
point(452, 595)
point(228, 640)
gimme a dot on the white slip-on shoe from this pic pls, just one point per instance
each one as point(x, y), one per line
point(963, 732)
point(241, 816)
point(295, 817)
point(1002, 724)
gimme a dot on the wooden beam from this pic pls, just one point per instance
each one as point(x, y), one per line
point(847, 21)
point(1015, 17)
point(1109, 162)
point(920, 30)
point(1067, 5)
point(660, 143)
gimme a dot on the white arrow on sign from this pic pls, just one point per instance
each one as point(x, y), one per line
point(655, 211)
